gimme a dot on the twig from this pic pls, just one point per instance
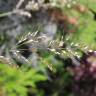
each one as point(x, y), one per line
point(19, 4)
point(19, 11)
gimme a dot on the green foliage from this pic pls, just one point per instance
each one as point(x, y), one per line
point(86, 35)
point(91, 4)
point(16, 80)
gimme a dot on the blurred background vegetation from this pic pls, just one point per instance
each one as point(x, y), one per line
point(47, 47)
